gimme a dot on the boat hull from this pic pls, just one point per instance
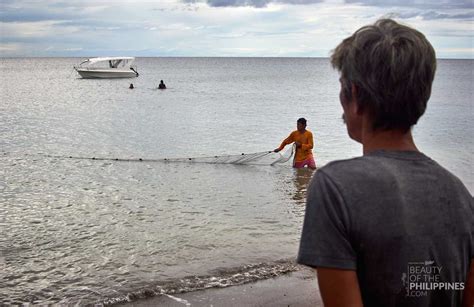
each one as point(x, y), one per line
point(106, 74)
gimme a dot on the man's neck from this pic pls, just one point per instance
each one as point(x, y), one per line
point(394, 140)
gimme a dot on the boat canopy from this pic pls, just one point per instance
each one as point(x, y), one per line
point(110, 62)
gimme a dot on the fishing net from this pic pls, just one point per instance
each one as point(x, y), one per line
point(256, 158)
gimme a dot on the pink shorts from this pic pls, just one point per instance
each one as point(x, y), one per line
point(308, 162)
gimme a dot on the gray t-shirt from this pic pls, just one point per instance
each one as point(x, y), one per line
point(403, 222)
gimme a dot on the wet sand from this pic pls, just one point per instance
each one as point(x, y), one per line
point(298, 288)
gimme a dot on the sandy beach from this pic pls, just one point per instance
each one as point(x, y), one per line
point(298, 288)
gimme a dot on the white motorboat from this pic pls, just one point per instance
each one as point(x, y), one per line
point(107, 67)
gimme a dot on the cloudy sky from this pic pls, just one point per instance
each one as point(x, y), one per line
point(307, 28)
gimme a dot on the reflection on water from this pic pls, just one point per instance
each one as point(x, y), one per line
point(302, 178)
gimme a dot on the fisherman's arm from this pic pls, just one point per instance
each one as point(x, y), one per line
point(468, 300)
point(290, 139)
point(339, 288)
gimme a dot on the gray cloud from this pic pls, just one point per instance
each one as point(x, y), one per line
point(33, 15)
point(432, 15)
point(425, 4)
point(24, 11)
point(429, 4)
point(252, 3)
point(255, 3)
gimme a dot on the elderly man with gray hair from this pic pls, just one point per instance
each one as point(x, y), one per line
point(392, 227)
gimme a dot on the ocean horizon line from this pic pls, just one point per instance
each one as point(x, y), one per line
point(191, 57)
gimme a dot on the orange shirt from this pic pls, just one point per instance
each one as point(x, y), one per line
point(306, 140)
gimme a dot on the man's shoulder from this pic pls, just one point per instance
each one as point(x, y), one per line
point(347, 167)
point(375, 162)
point(368, 169)
point(390, 169)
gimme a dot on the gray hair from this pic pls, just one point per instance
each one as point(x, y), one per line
point(392, 67)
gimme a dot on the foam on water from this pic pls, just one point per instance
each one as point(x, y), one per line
point(220, 278)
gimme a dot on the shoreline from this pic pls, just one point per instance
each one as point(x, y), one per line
point(298, 288)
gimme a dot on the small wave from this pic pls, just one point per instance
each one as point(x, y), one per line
point(220, 278)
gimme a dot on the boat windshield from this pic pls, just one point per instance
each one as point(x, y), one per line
point(109, 62)
point(117, 63)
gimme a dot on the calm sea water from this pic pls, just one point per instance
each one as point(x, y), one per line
point(85, 231)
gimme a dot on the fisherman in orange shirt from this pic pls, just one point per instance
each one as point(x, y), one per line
point(303, 140)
